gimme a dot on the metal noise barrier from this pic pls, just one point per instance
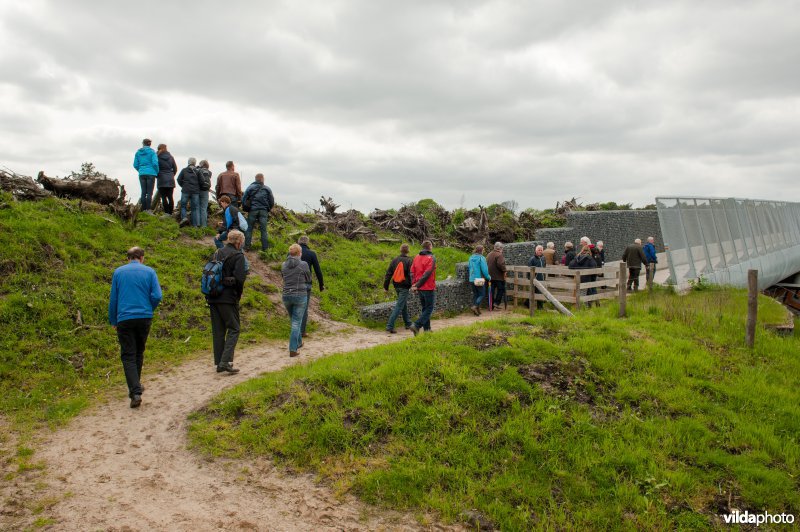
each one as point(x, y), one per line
point(721, 238)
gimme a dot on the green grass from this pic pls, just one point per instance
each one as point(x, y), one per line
point(650, 422)
point(57, 260)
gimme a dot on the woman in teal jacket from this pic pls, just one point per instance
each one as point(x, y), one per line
point(478, 269)
point(146, 163)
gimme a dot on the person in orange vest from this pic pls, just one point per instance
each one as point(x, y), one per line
point(423, 282)
point(399, 273)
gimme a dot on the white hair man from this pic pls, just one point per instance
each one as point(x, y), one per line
point(497, 272)
point(634, 257)
point(652, 259)
point(538, 261)
point(550, 253)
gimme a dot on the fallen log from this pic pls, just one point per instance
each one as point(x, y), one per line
point(103, 191)
point(22, 187)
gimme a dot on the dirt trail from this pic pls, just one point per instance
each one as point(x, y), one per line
point(129, 469)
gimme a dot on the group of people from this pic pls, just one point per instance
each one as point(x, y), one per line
point(158, 167)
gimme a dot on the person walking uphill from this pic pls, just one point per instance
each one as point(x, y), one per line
point(399, 273)
point(166, 178)
point(497, 271)
point(230, 221)
point(309, 257)
point(135, 294)
point(257, 201)
point(225, 306)
point(478, 277)
point(229, 184)
point(296, 287)
point(423, 282)
point(146, 163)
point(634, 257)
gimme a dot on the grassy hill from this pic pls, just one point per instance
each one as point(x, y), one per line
point(659, 421)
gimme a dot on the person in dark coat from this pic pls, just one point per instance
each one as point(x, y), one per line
point(600, 254)
point(190, 193)
point(569, 253)
point(224, 308)
point(634, 256)
point(309, 257)
point(166, 178)
point(496, 263)
point(585, 261)
point(539, 260)
point(261, 202)
point(401, 287)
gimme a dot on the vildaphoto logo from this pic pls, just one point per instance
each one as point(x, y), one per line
point(748, 518)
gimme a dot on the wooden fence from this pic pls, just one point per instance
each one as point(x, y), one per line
point(564, 284)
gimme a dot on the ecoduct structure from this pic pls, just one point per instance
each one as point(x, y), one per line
point(721, 238)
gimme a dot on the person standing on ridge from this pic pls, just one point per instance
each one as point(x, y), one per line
point(146, 163)
point(399, 273)
point(190, 193)
point(166, 178)
point(224, 308)
point(423, 282)
point(135, 294)
point(229, 184)
point(204, 179)
point(259, 201)
point(309, 257)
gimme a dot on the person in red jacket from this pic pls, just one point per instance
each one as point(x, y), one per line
point(423, 282)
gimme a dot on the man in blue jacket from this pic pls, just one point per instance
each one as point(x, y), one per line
point(260, 203)
point(652, 259)
point(146, 163)
point(135, 294)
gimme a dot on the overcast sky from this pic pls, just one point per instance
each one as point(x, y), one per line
point(381, 103)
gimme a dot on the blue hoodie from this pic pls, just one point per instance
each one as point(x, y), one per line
point(146, 161)
point(135, 293)
point(478, 267)
point(650, 253)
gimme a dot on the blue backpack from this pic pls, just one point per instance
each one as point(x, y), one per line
point(211, 283)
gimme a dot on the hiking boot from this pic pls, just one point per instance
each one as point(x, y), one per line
point(304, 335)
point(229, 369)
point(414, 329)
point(293, 353)
point(474, 310)
point(136, 400)
point(391, 331)
point(184, 222)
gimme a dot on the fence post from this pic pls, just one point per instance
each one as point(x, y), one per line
point(577, 292)
point(532, 301)
point(752, 307)
point(650, 275)
point(621, 287)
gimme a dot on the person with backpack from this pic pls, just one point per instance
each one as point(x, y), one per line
point(146, 163)
point(166, 178)
point(223, 302)
point(399, 273)
point(423, 282)
point(232, 220)
point(296, 287)
point(257, 202)
point(135, 294)
point(204, 178)
point(190, 193)
point(478, 277)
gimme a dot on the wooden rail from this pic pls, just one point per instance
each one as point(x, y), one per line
point(564, 284)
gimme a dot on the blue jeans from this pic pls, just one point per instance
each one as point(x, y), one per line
point(147, 183)
point(296, 306)
point(478, 293)
point(203, 208)
point(399, 307)
point(194, 199)
point(220, 239)
point(427, 299)
point(260, 216)
point(305, 312)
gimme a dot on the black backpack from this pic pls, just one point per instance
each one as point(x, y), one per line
point(203, 178)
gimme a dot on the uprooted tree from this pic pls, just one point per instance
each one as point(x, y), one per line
point(88, 184)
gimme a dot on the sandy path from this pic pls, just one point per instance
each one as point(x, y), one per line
point(129, 469)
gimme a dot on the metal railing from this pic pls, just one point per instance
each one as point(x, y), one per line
point(721, 238)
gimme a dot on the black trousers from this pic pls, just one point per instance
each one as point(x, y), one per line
point(132, 336)
point(225, 328)
point(498, 293)
point(167, 203)
point(633, 277)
